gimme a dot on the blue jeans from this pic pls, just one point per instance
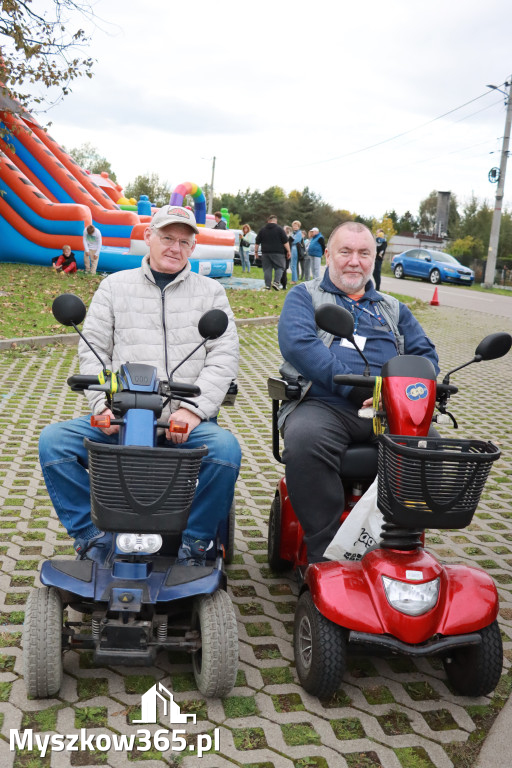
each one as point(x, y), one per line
point(294, 266)
point(64, 462)
point(245, 259)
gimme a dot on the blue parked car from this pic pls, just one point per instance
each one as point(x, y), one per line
point(436, 266)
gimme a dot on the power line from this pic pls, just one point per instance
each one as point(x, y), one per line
point(393, 138)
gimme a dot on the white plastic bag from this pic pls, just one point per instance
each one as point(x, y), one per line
point(360, 531)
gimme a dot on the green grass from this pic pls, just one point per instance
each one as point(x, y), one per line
point(25, 309)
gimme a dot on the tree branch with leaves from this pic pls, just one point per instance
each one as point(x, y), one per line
point(40, 52)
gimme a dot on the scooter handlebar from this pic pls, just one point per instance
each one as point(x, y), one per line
point(176, 388)
point(78, 382)
point(354, 380)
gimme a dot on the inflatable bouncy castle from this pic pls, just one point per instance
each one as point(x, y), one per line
point(47, 200)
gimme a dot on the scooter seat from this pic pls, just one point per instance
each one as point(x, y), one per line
point(360, 461)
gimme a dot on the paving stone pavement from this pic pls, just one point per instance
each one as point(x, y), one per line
point(389, 712)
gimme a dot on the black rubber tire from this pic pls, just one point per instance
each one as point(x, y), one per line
point(476, 669)
point(276, 562)
point(399, 272)
point(42, 643)
point(320, 649)
point(215, 665)
point(230, 546)
point(435, 277)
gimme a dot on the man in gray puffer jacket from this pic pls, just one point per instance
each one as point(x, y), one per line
point(150, 315)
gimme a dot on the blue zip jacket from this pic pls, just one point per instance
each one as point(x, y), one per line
point(315, 248)
point(301, 346)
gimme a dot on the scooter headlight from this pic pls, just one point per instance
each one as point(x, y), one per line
point(412, 599)
point(139, 543)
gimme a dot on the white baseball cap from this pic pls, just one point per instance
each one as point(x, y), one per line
point(174, 214)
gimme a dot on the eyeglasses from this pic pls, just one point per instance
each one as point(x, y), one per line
point(170, 242)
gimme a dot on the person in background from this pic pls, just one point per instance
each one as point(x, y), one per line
point(244, 246)
point(221, 224)
point(316, 250)
point(307, 258)
point(382, 244)
point(284, 278)
point(274, 246)
point(296, 248)
point(92, 248)
point(66, 262)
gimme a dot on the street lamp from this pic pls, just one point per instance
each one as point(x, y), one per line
point(492, 252)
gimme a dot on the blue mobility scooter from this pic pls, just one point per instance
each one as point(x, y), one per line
point(141, 600)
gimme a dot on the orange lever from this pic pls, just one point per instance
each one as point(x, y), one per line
point(101, 420)
point(178, 427)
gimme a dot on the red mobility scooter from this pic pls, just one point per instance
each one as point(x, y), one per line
point(397, 598)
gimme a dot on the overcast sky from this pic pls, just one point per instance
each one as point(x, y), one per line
point(297, 94)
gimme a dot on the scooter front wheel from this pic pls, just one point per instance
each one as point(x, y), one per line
point(215, 664)
point(42, 643)
point(320, 648)
point(476, 669)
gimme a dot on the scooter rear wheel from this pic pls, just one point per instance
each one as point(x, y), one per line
point(42, 643)
point(276, 562)
point(215, 664)
point(320, 648)
point(476, 669)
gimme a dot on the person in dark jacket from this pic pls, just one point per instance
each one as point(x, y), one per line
point(319, 427)
point(274, 245)
point(221, 224)
point(382, 244)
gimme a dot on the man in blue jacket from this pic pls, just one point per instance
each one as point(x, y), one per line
point(316, 250)
point(318, 428)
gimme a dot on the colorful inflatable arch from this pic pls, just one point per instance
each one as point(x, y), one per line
point(188, 188)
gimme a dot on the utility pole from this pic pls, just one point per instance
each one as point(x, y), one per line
point(492, 253)
point(210, 197)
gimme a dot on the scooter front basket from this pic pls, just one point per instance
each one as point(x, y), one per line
point(429, 482)
point(142, 489)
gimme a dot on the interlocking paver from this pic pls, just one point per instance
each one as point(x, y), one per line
point(390, 706)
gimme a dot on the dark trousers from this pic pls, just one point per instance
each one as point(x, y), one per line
point(376, 272)
point(272, 262)
point(284, 276)
point(316, 436)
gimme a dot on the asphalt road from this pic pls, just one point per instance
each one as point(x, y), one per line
point(452, 296)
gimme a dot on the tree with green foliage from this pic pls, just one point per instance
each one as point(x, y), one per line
point(149, 184)
point(39, 51)
point(90, 159)
point(467, 249)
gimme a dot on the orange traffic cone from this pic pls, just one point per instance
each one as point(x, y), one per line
point(435, 300)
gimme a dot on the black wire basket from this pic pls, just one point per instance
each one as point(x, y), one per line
point(429, 482)
point(141, 489)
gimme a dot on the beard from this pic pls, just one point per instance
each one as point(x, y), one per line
point(350, 282)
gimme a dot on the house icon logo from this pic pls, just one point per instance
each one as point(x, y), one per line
point(149, 702)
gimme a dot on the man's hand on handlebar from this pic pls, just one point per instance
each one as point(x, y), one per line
point(114, 428)
point(189, 418)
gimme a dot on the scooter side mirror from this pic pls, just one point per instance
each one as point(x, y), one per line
point(336, 320)
point(69, 309)
point(493, 346)
point(213, 324)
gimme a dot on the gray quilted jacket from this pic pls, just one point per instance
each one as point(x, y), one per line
point(129, 318)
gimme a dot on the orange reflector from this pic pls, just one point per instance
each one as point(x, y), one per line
point(101, 420)
point(178, 427)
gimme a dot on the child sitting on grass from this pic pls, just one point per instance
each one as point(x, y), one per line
point(66, 262)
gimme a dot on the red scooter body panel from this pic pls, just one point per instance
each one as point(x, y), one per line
point(352, 595)
point(416, 399)
point(291, 547)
